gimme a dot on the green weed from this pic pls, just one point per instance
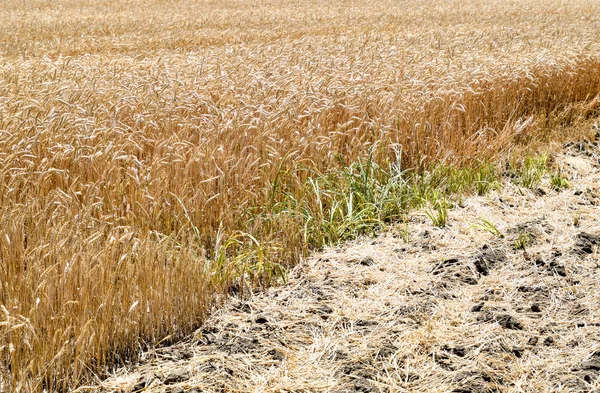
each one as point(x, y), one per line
point(489, 227)
point(532, 171)
point(522, 241)
point(439, 212)
point(558, 182)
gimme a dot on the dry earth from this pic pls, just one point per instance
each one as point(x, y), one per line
point(455, 309)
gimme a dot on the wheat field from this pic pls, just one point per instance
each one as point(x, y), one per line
point(144, 144)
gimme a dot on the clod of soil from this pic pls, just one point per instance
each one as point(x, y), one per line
point(489, 258)
point(458, 351)
point(585, 242)
point(452, 270)
point(243, 307)
point(387, 350)
point(141, 385)
point(475, 382)
point(507, 321)
point(275, 354)
point(557, 268)
point(444, 265)
point(261, 319)
point(364, 385)
point(176, 376)
point(363, 261)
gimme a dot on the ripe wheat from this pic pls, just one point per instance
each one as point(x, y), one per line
point(142, 143)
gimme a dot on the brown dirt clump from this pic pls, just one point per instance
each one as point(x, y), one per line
point(455, 309)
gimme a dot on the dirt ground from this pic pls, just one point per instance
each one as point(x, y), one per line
point(453, 309)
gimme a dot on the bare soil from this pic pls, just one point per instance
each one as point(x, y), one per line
point(453, 309)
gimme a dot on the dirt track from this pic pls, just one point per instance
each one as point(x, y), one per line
point(455, 309)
